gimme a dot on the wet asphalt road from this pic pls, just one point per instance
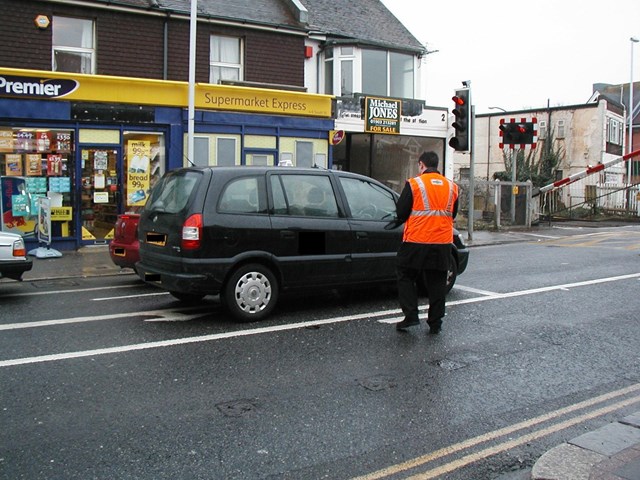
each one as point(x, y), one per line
point(109, 378)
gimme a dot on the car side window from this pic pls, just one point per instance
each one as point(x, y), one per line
point(240, 195)
point(368, 201)
point(304, 195)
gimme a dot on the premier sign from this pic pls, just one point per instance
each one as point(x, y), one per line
point(13, 86)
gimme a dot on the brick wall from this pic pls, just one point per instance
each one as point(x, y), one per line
point(132, 45)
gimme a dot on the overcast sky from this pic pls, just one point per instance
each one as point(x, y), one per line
point(521, 54)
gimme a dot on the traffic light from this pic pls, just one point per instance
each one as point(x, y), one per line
point(462, 123)
point(517, 133)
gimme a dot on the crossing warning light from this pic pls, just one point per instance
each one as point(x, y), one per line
point(461, 124)
point(517, 133)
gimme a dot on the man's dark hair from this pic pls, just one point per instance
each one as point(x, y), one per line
point(430, 159)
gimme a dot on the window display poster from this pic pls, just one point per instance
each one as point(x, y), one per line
point(36, 185)
point(6, 140)
point(100, 160)
point(25, 141)
point(100, 197)
point(60, 184)
point(43, 141)
point(138, 154)
point(10, 187)
point(54, 165)
point(63, 142)
point(35, 202)
point(13, 167)
point(33, 164)
point(20, 205)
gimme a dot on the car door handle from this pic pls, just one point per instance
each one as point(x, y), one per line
point(361, 235)
point(287, 234)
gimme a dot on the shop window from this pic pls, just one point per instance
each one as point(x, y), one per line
point(200, 151)
point(73, 45)
point(304, 154)
point(144, 162)
point(225, 59)
point(226, 152)
point(36, 163)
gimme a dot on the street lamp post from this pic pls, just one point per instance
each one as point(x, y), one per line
point(630, 111)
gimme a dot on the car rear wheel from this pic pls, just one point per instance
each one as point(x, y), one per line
point(187, 297)
point(251, 293)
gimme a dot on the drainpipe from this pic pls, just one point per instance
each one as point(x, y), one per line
point(165, 50)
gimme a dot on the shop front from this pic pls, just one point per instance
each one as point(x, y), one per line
point(94, 145)
point(384, 137)
point(89, 175)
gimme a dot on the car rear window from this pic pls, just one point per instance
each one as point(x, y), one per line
point(172, 193)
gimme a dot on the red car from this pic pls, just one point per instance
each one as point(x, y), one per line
point(124, 248)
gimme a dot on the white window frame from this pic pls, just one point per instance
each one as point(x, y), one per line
point(561, 129)
point(73, 49)
point(228, 65)
point(542, 129)
point(356, 57)
point(614, 131)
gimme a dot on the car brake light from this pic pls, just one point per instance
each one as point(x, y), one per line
point(192, 232)
point(19, 249)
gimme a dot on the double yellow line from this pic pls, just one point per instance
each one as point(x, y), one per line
point(470, 458)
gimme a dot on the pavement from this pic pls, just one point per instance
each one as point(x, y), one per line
point(611, 452)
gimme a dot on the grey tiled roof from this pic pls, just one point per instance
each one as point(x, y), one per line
point(366, 21)
point(266, 12)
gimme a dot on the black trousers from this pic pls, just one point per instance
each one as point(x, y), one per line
point(436, 284)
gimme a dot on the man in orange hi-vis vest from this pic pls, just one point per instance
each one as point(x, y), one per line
point(427, 205)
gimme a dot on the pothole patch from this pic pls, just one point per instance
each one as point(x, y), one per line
point(237, 408)
point(377, 383)
point(449, 365)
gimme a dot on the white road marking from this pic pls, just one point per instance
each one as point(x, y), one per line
point(261, 330)
point(157, 315)
point(474, 290)
point(58, 292)
point(155, 294)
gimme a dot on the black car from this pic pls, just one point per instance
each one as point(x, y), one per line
point(250, 233)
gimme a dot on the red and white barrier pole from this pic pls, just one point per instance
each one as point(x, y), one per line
point(588, 171)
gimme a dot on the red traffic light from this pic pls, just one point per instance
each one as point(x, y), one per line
point(458, 100)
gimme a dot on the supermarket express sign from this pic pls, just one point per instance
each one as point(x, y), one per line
point(262, 100)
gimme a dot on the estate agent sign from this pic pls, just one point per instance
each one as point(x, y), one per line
point(382, 115)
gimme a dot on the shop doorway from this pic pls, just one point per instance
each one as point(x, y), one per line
point(101, 193)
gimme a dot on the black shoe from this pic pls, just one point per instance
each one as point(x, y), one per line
point(401, 326)
point(435, 330)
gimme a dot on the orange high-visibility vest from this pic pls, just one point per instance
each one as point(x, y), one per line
point(431, 219)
